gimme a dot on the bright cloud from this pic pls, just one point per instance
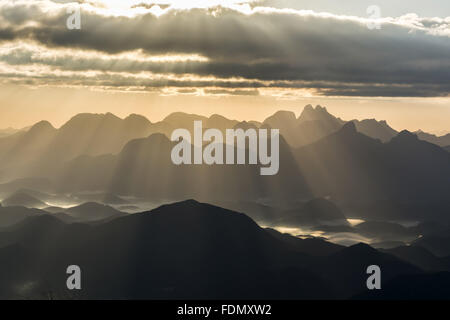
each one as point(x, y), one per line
point(223, 47)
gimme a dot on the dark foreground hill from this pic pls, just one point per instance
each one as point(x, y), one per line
point(179, 251)
point(12, 215)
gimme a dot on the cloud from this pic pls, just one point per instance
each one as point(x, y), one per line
point(232, 45)
point(232, 92)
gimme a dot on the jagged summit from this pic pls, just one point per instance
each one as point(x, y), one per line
point(308, 107)
point(318, 122)
point(313, 114)
point(349, 127)
point(281, 116)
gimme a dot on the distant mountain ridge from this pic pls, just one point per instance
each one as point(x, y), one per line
point(321, 156)
point(24, 200)
point(347, 166)
point(42, 148)
point(442, 141)
point(143, 161)
point(10, 131)
point(352, 167)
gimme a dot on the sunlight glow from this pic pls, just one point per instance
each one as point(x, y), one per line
point(174, 4)
point(355, 222)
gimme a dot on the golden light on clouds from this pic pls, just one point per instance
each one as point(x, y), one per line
point(177, 4)
point(242, 57)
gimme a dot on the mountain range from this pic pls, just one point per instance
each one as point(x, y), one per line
point(189, 250)
point(186, 250)
point(364, 166)
point(103, 192)
point(42, 148)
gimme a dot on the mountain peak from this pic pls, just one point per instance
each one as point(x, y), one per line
point(111, 115)
point(362, 246)
point(218, 117)
point(24, 200)
point(193, 211)
point(313, 114)
point(349, 127)
point(282, 115)
point(92, 211)
point(157, 138)
point(405, 135)
point(179, 115)
point(87, 119)
point(137, 118)
point(41, 126)
point(189, 202)
point(307, 109)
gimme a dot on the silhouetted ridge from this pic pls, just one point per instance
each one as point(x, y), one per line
point(137, 119)
point(41, 126)
point(196, 210)
point(92, 211)
point(348, 128)
point(158, 138)
point(244, 125)
point(375, 129)
point(360, 248)
point(438, 140)
point(155, 139)
point(318, 113)
point(44, 223)
point(308, 108)
point(316, 212)
point(12, 215)
point(281, 116)
point(85, 119)
point(405, 136)
point(23, 199)
point(182, 119)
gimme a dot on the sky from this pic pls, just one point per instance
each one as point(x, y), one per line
point(243, 59)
